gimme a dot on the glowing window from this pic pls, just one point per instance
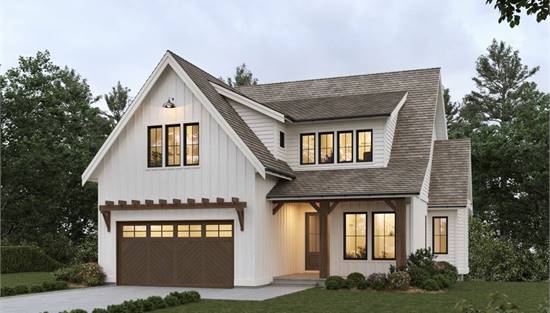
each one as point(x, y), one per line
point(154, 146)
point(384, 236)
point(219, 230)
point(345, 147)
point(190, 231)
point(364, 146)
point(307, 149)
point(173, 146)
point(326, 148)
point(164, 231)
point(191, 137)
point(134, 231)
point(439, 237)
point(355, 234)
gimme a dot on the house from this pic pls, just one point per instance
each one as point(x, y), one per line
point(205, 185)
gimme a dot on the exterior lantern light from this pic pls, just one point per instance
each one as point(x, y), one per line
point(169, 104)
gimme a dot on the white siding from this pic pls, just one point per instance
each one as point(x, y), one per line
point(224, 172)
point(457, 237)
point(440, 125)
point(425, 189)
point(293, 142)
point(418, 216)
point(389, 131)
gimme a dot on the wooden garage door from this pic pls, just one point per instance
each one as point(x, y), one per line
point(194, 254)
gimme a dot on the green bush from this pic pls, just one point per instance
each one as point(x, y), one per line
point(421, 258)
point(443, 281)
point(48, 286)
point(7, 291)
point(431, 285)
point(419, 276)
point(86, 251)
point(156, 302)
point(363, 285)
point(335, 283)
point(399, 280)
point(494, 258)
point(90, 274)
point(171, 300)
point(497, 303)
point(131, 306)
point(354, 280)
point(60, 285)
point(20, 289)
point(98, 310)
point(17, 259)
point(116, 308)
point(35, 288)
point(377, 281)
point(78, 311)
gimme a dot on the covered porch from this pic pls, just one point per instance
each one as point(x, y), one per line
point(323, 237)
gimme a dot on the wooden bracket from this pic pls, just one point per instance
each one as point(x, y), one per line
point(277, 207)
point(240, 215)
point(107, 219)
point(332, 205)
point(315, 205)
point(391, 204)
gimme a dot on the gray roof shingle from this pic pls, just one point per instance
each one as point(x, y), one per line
point(202, 79)
point(411, 143)
point(338, 107)
point(450, 173)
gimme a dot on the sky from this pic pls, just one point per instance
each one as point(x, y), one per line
point(110, 41)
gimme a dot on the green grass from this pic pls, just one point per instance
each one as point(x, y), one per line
point(527, 295)
point(33, 278)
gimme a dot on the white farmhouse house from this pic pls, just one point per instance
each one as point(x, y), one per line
point(205, 185)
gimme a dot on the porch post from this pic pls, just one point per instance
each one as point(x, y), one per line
point(324, 266)
point(400, 233)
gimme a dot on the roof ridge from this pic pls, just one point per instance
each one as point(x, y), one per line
point(344, 76)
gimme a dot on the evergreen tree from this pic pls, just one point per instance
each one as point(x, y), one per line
point(243, 77)
point(507, 120)
point(117, 100)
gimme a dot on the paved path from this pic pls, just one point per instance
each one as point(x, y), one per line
point(100, 297)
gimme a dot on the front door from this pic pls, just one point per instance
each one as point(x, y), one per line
point(312, 241)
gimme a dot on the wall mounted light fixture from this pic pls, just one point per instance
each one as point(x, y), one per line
point(169, 104)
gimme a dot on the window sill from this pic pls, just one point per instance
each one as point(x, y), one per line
point(168, 168)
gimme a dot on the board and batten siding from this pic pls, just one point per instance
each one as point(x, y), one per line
point(293, 142)
point(224, 172)
point(266, 128)
point(457, 236)
point(389, 131)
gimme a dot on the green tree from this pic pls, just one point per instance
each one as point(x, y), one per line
point(507, 120)
point(117, 101)
point(50, 132)
point(243, 77)
point(452, 110)
point(510, 9)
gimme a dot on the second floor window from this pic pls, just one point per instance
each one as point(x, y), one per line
point(154, 146)
point(281, 139)
point(307, 148)
point(191, 138)
point(345, 147)
point(364, 146)
point(326, 148)
point(173, 146)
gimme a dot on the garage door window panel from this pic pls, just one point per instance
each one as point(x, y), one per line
point(162, 231)
point(134, 231)
point(189, 231)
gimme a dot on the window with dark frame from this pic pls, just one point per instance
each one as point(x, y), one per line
point(345, 146)
point(191, 144)
point(326, 148)
point(281, 139)
point(364, 146)
point(307, 149)
point(440, 228)
point(154, 146)
point(173, 145)
point(383, 236)
point(355, 236)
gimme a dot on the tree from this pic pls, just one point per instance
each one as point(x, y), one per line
point(50, 132)
point(243, 77)
point(507, 120)
point(117, 100)
point(452, 110)
point(510, 9)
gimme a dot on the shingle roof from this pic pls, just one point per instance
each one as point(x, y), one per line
point(411, 143)
point(202, 79)
point(338, 107)
point(450, 173)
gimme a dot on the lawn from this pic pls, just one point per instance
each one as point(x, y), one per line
point(33, 278)
point(527, 295)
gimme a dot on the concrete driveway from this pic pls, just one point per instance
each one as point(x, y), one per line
point(101, 297)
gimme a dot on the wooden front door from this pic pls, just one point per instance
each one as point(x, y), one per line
point(312, 241)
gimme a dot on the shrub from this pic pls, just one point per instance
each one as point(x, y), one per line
point(7, 291)
point(354, 280)
point(36, 288)
point(99, 310)
point(430, 285)
point(20, 289)
point(156, 302)
point(86, 251)
point(421, 258)
point(90, 274)
point(171, 300)
point(78, 311)
point(192, 296)
point(419, 276)
point(17, 259)
point(448, 270)
point(116, 308)
point(399, 280)
point(60, 285)
point(180, 296)
point(497, 303)
point(144, 304)
point(335, 283)
point(48, 286)
point(131, 306)
point(377, 281)
point(443, 281)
